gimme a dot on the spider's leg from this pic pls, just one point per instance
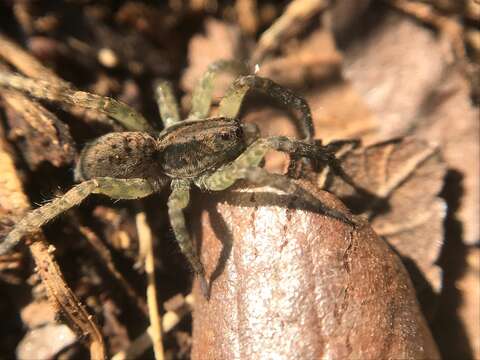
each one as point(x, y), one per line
point(246, 167)
point(232, 101)
point(336, 145)
point(177, 202)
point(167, 104)
point(323, 154)
point(59, 93)
point(114, 188)
point(203, 91)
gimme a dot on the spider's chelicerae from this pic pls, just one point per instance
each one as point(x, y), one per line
point(211, 153)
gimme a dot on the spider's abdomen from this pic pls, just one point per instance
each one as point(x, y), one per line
point(191, 148)
point(123, 155)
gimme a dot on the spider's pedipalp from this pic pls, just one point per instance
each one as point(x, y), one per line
point(167, 104)
point(114, 188)
point(232, 101)
point(203, 91)
point(59, 93)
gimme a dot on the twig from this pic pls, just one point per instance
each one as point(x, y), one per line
point(146, 245)
point(13, 200)
point(247, 15)
point(26, 63)
point(295, 16)
point(106, 257)
point(143, 342)
point(63, 299)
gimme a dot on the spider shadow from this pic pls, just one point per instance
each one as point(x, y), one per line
point(222, 232)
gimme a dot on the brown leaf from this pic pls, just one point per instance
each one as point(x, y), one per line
point(290, 283)
point(299, 65)
point(406, 177)
point(338, 111)
point(413, 89)
point(221, 41)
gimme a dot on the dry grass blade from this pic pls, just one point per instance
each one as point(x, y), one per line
point(169, 320)
point(146, 246)
point(14, 201)
point(296, 15)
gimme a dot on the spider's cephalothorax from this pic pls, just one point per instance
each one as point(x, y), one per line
point(211, 153)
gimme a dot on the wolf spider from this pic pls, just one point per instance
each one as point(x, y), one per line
point(211, 153)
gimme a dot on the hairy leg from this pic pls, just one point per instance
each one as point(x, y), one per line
point(177, 202)
point(114, 188)
point(202, 94)
point(298, 148)
point(232, 101)
point(246, 167)
point(167, 104)
point(59, 93)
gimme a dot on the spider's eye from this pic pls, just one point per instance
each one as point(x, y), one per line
point(225, 136)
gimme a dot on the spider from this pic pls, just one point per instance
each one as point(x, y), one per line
point(210, 152)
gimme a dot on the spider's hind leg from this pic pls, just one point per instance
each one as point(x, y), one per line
point(114, 188)
point(203, 91)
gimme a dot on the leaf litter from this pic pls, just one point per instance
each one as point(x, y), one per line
point(377, 86)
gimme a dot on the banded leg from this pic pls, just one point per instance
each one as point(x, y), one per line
point(203, 92)
point(246, 167)
point(167, 104)
point(177, 202)
point(44, 90)
point(314, 151)
point(232, 101)
point(114, 188)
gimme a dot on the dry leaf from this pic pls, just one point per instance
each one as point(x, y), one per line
point(337, 109)
point(221, 41)
point(406, 177)
point(413, 89)
point(39, 134)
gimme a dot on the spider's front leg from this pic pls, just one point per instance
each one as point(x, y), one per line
point(167, 104)
point(246, 167)
point(114, 188)
point(44, 90)
point(203, 91)
point(177, 202)
point(232, 101)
